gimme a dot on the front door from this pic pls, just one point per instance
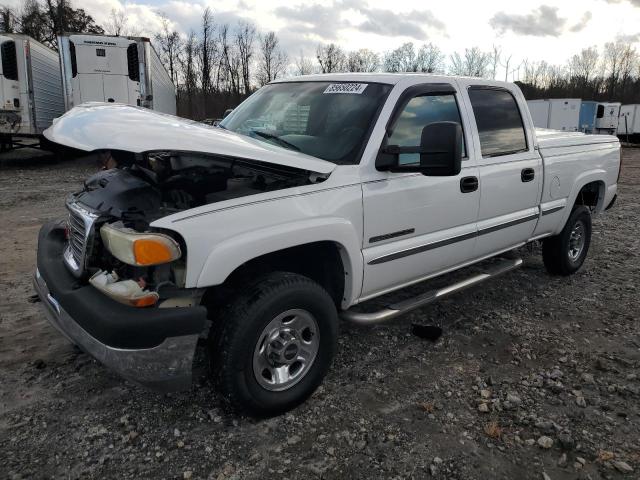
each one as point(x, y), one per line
point(416, 226)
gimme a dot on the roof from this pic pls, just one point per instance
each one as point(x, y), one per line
point(388, 78)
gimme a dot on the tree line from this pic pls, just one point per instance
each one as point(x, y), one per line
point(217, 65)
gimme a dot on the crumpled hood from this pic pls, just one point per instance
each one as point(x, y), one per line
point(97, 126)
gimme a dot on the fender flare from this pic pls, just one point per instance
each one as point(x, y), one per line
point(583, 179)
point(225, 257)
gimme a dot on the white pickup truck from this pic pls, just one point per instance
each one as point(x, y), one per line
point(316, 194)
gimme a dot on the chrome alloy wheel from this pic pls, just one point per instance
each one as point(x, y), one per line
point(576, 241)
point(286, 350)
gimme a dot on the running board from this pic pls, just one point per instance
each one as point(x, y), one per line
point(396, 309)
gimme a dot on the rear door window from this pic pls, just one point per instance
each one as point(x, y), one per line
point(499, 122)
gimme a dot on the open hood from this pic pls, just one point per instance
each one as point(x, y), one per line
point(108, 126)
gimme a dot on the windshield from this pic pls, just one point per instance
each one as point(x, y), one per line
point(328, 120)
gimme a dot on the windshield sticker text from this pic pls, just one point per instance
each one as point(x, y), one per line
point(356, 88)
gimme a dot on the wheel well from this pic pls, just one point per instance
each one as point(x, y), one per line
point(591, 195)
point(320, 261)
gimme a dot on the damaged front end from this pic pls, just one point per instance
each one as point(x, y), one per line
point(111, 242)
point(114, 284)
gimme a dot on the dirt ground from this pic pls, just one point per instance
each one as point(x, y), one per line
point(535, 377)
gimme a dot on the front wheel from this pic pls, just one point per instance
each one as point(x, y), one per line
point(564, 254)
point(276, 343)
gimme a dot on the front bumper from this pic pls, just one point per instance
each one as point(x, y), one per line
point(150, 346)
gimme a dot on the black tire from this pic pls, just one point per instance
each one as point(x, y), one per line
point(243, 323)
point(556, 250)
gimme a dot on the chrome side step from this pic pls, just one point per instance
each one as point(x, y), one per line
point(396, 309)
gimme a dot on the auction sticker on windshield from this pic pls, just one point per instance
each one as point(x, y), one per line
point(356, 88)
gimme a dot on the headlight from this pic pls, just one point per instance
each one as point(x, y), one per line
point(140, 249)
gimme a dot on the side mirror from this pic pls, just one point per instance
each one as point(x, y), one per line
point(227, 112)
point(440, 152)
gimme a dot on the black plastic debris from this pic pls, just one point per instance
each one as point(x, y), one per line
point(428, 332)
point(33, 298)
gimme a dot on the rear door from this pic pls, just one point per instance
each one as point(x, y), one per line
point(509, 164)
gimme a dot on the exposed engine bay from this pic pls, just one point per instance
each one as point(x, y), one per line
point(110, 238)
point(143, 188)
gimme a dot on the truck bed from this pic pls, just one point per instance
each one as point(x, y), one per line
point(549, 139)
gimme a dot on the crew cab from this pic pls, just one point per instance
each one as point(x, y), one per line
point(315, 195)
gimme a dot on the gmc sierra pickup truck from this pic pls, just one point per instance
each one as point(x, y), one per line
point(316, 194)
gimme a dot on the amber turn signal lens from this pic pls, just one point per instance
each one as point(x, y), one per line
point(151, 252)
point(145, 301)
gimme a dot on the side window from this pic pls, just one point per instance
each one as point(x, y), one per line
point(499, 122)
point(417, 114)
point(600, 113)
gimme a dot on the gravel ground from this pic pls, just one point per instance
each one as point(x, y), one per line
point(535, 377)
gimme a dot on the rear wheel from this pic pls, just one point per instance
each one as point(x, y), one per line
point(564, 254)
point(276, 343)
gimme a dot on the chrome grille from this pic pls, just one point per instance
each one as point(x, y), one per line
point(80, 229)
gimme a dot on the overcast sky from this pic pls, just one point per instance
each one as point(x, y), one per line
point(536, 29)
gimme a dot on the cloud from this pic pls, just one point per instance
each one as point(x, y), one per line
point(631, 38)
point(586, 18)
point(542, 22)
point(326, 20)
point(390, 24)
point(314, 19)
point(635, 3)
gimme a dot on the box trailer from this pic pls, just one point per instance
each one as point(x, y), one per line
point(588, 116)
point(629, 120)
point(556, 113)
point(607, 114)
point(101, 68)
point(599, 117)
point(564, 114)
point(30, 87)
point(539, 110)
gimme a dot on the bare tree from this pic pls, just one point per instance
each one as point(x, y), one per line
point(584, 65)
point(245, 37)
point(229, 65)
point(170, 45)
point(430, 59)
point(117, 22)
point(506, 65)
point(495, 55)
point(302, 65)
point(8, 20)
point(331, 58)
point(272, 60)
point(363, 60)
point(473, 63)
point(206, 50)
point(188, 69)
point(402, 59)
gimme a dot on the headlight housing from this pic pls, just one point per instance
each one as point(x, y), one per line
point(139, 249)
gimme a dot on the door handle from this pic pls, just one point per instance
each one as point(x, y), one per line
point(527, 174)
point(468, 184)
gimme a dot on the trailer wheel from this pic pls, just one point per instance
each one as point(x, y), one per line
point(564, 254)
point(275, 344)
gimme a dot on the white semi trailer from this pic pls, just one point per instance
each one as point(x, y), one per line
point(556, 113)
point(629, 120)
point(30, 87)
point(101, 68)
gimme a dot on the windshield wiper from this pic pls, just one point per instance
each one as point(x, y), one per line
point(281, 141)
